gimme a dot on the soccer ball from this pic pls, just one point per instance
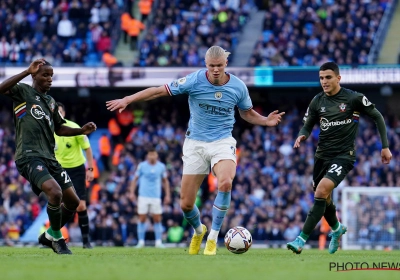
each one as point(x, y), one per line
point(238, 240)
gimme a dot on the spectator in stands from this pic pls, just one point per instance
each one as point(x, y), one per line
point(198, 22)
point(65, 29)
point(305, 25)
point(145, 8)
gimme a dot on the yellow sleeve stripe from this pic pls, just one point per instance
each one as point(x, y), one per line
point(19, 106)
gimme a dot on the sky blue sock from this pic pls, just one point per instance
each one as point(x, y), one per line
point(157, 230)
point(141, 231)
point(193, 217)
point(221, 206)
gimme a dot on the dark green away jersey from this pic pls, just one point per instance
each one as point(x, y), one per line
point(338, 118)
point(35, 117)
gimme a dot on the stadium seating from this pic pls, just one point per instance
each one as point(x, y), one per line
point(179, 34)
point(61, 31)
point(308, 32)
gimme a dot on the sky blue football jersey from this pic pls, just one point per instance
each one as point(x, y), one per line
point(150, 178)
point(212, 108)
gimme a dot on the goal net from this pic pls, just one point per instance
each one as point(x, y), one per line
point(372, 215)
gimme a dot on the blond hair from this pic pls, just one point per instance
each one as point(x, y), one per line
point(217, 52)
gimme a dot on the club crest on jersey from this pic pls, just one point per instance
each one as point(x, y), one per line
point(39, 167)
point(52, 106)
point(218, 95)
point(342, 107)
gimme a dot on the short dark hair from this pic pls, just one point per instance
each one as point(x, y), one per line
point(330, 66)
point(46, 63)
point(61, 105)
point(151, 150)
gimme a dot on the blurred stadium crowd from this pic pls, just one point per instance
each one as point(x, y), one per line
point(178, 33)
point(306, 33)
point(61, 31)
point(182, 31)
point(271, 194)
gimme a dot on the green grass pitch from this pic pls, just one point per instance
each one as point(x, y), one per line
point(149, 263)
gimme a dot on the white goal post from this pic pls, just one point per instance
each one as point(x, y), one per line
point(372, 216)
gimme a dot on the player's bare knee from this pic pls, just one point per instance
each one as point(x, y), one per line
point(81, 206)
point(74, 203)
point(322, 193)
point(225, 185)
point(54, 195)
point(186, 207)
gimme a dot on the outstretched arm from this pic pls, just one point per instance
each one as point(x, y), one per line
point(255, 118)
point(12, 81)
point(64, 130)
point(144, 95)
point(386, 155)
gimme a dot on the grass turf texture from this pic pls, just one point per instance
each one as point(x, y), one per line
point(149, 263)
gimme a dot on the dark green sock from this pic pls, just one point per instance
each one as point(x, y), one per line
point(66, 214)
point(313, 217)
point(54, 213)
point(330, 216)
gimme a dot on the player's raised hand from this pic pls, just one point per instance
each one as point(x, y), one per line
point(35, 65)
point(89, 128)
point(386, 156)
point(274, 118)
point(117, 104)
point(298, 140)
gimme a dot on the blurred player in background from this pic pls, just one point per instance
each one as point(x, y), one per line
point(213, 95)
point(150, 174)
point(36, 119)
point(69, 154)
point(338, 111)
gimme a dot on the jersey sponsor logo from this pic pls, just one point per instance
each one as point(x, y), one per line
point(37, 98)
point(38, 113)
point(325, 124)
point(216, 110)
point(218, 95)
point(181, 81)
point(342, 107)
point(174, 84)
point(365, 101)
point(39, 167)
point(323, 110)
point(52, 106)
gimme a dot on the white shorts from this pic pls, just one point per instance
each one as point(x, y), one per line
point(199, 157)
point(149, 205)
